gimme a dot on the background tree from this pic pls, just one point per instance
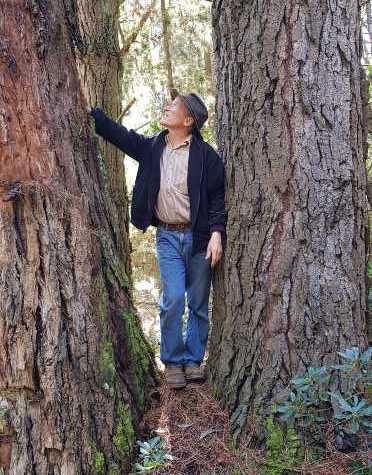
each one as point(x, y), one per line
point(366, 18)
point(100, 61)
point(167, 38)
point(74, 366)
point(291, 290)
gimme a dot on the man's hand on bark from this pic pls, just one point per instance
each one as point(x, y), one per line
point(214, 249)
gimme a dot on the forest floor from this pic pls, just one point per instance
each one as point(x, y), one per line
point(195, 429)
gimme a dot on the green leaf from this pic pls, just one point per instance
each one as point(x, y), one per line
point(357, 468)
point(341, 401)
point(158, 457)
point(150, 464)
point(354, 427)
point(367, 411)
point(155, 441)
point(340, 416)
point(359, 405)
point(317, 371)
point(298, 381)
point(342, 367)
point(365, 357)
point(139, 467)
point(350, 354)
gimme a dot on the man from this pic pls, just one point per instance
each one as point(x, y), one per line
point(180, 189)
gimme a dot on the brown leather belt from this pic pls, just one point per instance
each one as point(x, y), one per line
point(175, 226)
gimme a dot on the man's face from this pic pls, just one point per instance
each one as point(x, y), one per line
point(176, 115)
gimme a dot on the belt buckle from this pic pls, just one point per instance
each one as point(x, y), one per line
point(175, 226)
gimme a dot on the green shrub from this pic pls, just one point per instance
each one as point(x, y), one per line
point(152, 455)
point(311, 405)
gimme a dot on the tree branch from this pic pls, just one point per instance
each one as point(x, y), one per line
point(126, 109)
point(133, 36)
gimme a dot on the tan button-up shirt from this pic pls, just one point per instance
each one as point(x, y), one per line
point(173, 203)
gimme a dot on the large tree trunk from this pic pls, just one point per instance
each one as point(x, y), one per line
point(291, 290)
point(73, 362)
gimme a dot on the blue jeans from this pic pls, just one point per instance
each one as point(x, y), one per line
point(180, 274)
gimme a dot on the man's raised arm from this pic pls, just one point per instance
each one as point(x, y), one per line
point(129, 141)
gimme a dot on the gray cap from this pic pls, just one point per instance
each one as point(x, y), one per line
point(196, 107)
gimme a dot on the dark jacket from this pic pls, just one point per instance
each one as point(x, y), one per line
point(205, 178)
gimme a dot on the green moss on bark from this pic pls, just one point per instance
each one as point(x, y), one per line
point(124, 435)
point(106, 360)
point(140, 352)
point(99, 463)
point(108, 368)
point(111, 288)
point(98, 459)
point(114, 269)
point(136, 341)
point(123, 441)
point(116, 273)
point(114, 469)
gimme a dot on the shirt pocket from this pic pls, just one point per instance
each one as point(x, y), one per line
point(180, 175)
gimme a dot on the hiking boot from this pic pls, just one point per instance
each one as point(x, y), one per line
point(175, 377)
point(194, 373)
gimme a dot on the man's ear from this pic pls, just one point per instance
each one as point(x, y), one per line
point(189, 121)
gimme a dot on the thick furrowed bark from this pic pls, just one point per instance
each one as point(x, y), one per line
point(291, 290)
point(73, 362)
point(93, 27)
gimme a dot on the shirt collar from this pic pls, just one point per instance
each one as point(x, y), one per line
point(185, 143)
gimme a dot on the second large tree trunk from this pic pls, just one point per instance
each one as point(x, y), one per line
point(74, 368)
point(291, 290)
point(94, 29)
